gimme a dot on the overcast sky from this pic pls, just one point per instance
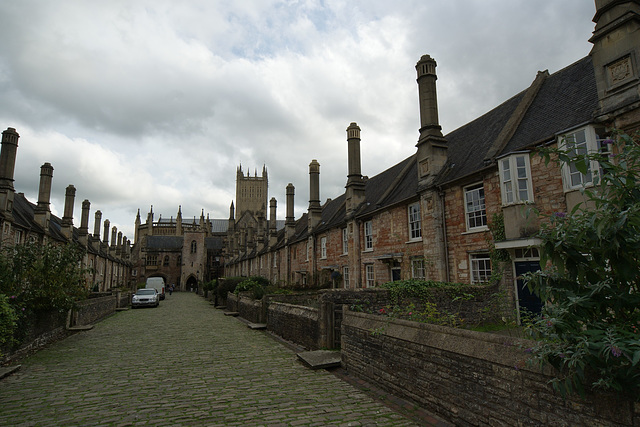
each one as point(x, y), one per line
point(140, 103)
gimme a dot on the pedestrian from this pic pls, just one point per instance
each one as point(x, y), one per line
point(171, 289)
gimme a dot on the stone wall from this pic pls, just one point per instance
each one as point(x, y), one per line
point(294, 323)
point(469, 378)
point(91, 310)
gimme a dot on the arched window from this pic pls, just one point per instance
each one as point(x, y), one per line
point(166, 261)
point(194, 247)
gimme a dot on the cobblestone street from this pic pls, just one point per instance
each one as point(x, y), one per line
point(183, 363)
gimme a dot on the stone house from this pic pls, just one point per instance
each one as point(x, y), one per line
point(431, 215)
point(107, 262)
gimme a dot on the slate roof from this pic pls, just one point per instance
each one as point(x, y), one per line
point(164, 242)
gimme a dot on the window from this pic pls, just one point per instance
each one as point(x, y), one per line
point(323, 247)
point(152, 260)
point(368, 236)
point(194, 247)
point(474, 207)
point(179, 261)
point(345, 277)
point(370, 275)
point(417, 269)
point(345, 241)
point(165, 263)
point(415, 228)
point(18, 236)
point(515, 179)
point(579, 144)
point(480, 268)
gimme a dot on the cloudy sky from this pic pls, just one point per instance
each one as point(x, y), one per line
point(140, 103)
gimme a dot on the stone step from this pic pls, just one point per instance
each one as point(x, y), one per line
point(257, 325)
point(321, 359)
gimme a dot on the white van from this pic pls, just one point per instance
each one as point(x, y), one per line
point(156, 283)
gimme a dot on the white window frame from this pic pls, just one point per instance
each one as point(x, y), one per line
point(368, 235)
point(345, 277)
point(345, 241)
point(588, 142)
point(482, 217)
point(480, 267)
point(323, 247)
point(370, 275)
point(515, 179)
point(415, 221)
point(417, 269)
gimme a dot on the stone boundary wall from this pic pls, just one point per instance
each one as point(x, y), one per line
point(249, 309)
point(90, 310)
point(469, 378)
point(294, 323)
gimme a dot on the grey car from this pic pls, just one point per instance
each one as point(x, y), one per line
point(147, 297)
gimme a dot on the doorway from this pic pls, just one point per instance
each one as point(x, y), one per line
point(527, 300)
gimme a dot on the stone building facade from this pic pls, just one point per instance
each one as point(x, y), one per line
point(185, 253)
point(440, 213)
point(107, 260)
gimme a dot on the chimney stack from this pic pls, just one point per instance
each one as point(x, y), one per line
point(96, 224)
point(355, 184)
point(83, 231)
point(432, 146)
point(114, 231)
point(315, 210)
point(290, 222)
point(42, 213)
point(7, 168)
point(67, 218)
point(273, 228)
point(105, 238)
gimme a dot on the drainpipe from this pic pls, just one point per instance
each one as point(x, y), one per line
point(444, 233)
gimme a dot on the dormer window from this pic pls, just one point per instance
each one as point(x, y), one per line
point(515, 179)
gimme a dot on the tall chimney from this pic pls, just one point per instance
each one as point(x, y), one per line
point(96, 224)
point(83, 231)
point(105, 238)
point(7, 168)
point(290, 222)
point(315, 210)
point(273, 227)
point(67, 218)
point(432, 146)
point(114, 232)
point(42, 213)
point(355, 184)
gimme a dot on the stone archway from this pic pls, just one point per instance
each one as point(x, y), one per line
point(191, 284)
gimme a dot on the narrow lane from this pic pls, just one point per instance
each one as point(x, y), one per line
point(183, 363)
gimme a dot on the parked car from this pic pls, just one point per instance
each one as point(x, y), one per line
point(156, 283)
point(147, 297)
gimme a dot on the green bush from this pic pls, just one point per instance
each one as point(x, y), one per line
point(589, 328)
point(255, 285)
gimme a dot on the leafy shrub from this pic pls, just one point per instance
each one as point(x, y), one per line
point(590, 326)
point(255, 285)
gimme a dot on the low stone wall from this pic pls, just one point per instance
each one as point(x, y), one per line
point(294, 323)
point(469, 378)
point(91, 310)
point(250, 309)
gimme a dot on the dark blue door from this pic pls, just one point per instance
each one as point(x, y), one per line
point(526, 299)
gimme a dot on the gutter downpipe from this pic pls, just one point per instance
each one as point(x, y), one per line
point(444, 233)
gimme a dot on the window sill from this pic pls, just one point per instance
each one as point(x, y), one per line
point(419, 240)
point(476, 230)
point(367, 250)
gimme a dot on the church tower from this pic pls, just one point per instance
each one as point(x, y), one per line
point(251, 193)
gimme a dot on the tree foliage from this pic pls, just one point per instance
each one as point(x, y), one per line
point(589, 328)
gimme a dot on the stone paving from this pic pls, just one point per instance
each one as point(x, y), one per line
point(184, 363)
